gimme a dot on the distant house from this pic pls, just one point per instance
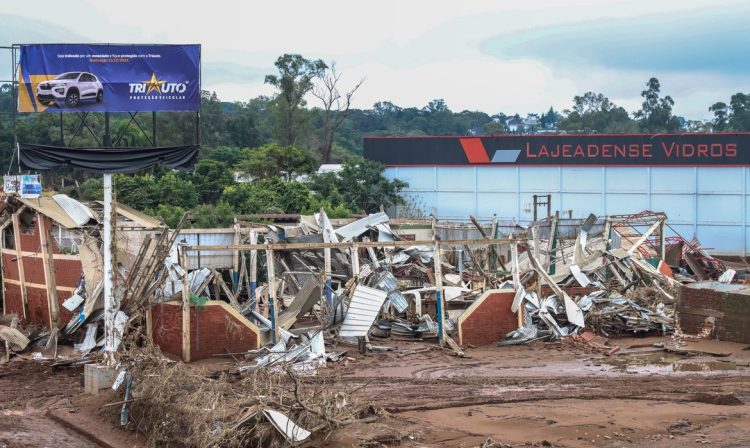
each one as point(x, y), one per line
point(515, 125)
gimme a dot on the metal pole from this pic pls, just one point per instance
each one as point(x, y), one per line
point(109, 306)
point(15, 92)
point(62, 131)
point(153, 129)
point(185, 306)
point(271, 292)
point(107, 137)
point(439, 293)
point(535, 208)
point(549, 205)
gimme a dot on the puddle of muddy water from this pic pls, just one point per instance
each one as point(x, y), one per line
point(664, 363)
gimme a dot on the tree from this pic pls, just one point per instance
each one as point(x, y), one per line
point(213, 122)
point(595, 113)
point(721, 116)
point(362, 186)
point(655, 114)
point(335, 107)
point(272, 160)
point(270, 195)
point(740, 118)
point(139, 192)
point(294, 81)
point(175, 189)
point(241, 126)
point(436, 105)
point(210, 177)
point(493, 127)
point(549, 120)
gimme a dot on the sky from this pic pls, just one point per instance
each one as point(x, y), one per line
point(494, 56)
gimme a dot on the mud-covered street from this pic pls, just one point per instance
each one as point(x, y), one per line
point(539, 394)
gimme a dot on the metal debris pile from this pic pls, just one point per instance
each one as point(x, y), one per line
point(619, 275)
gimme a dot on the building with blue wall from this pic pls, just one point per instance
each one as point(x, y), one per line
point(699, 180)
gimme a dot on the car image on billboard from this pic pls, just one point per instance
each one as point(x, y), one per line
point(70, 89)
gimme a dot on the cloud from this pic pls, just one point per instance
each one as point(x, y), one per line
point(705, 41)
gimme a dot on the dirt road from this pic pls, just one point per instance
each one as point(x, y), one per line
point(534, 395)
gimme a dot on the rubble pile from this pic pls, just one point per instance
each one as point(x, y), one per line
point(313, 289)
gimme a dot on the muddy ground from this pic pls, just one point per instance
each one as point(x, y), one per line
point(557, 394)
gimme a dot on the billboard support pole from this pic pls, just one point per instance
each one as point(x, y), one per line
point(109, 306)
point(62, 132)
point(15, 92)
point(153, 128)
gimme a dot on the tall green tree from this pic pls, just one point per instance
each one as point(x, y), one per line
point(595, 113)
point(721, 116)
point(740, 108)
point(272, 160)
point(655, 114)
point(294, 81)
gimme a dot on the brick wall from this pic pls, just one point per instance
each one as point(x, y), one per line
point(489, 319)
point(214, 329)
point(730, 309)
point(67, 273)
point(166, 327)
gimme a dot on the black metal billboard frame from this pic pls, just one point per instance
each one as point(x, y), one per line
point(106, 137)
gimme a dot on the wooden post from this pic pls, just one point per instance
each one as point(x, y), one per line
point(439, 293)
point(272, 293)
point(355, 259)
point(662, 241)
point(185, 305)
point(516, 276)
point(48, 262)
point(19, 261)
point(236, 259)
point(327, 284)
point(552, 244)
point(253, 268)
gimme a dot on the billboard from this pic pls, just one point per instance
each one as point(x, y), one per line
point(589, 149)
point(108, 78)
point(24, 185)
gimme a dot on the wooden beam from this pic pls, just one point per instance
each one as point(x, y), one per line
point(19, 261)
point(49, 272)
point(484, 235)
point(349, 244)
point(185, 306)
point(439, 296)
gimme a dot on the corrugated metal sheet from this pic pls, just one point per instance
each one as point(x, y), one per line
point(77, 211)
point(356, 228)
point(220, 259)
point(363, 309)
point(139, 218)
point(48, 207)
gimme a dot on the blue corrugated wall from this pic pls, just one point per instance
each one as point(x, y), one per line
point(709, 202)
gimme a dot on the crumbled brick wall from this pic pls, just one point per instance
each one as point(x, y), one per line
point(67, 273)
point(490, 321)
point(213, 331)
point(731, 312)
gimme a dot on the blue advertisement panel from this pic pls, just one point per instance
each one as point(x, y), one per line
point(108, 78)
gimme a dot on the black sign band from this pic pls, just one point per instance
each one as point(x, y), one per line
point(602, 149)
